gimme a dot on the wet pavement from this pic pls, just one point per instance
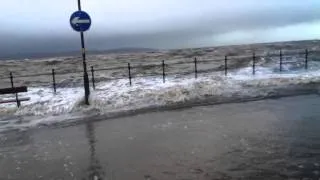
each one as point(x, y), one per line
point(269, 139)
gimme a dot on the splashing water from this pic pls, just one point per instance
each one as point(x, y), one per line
point(117, 97)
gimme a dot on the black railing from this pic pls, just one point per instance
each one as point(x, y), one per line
point(164, 68)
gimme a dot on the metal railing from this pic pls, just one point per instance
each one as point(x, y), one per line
point(224, 64)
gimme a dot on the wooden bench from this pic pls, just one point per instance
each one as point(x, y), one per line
point(14, 90)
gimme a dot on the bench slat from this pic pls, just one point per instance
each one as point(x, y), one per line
point(14, 100)
point(14, 90)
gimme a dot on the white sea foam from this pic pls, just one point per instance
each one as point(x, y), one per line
point(118, 97)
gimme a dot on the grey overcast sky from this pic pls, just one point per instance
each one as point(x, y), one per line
point(43, 25)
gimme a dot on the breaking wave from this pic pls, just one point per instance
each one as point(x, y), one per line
point(117, 98)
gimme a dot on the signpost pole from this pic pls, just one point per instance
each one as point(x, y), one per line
point(85, 73)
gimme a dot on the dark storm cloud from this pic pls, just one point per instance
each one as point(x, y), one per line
point(155, 24)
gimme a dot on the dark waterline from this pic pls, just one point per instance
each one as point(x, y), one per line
point(268, 139)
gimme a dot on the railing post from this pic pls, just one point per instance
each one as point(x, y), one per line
point(254, 63)
point(306, 60)
point(226, 65)
point(54, 82)
point(12, 85)
point(93, 80)
point(280, 64)
point(163, 72)
point(195, 68)
point(129, 72)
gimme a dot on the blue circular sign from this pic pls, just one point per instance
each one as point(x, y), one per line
point(80, 21)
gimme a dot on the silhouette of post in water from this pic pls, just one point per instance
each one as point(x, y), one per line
point(95, 170)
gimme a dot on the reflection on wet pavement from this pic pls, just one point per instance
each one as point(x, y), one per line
point(95, 170)
point(270, 139)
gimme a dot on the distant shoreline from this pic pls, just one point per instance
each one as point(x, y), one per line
point(27, 56)
point(31, 56)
